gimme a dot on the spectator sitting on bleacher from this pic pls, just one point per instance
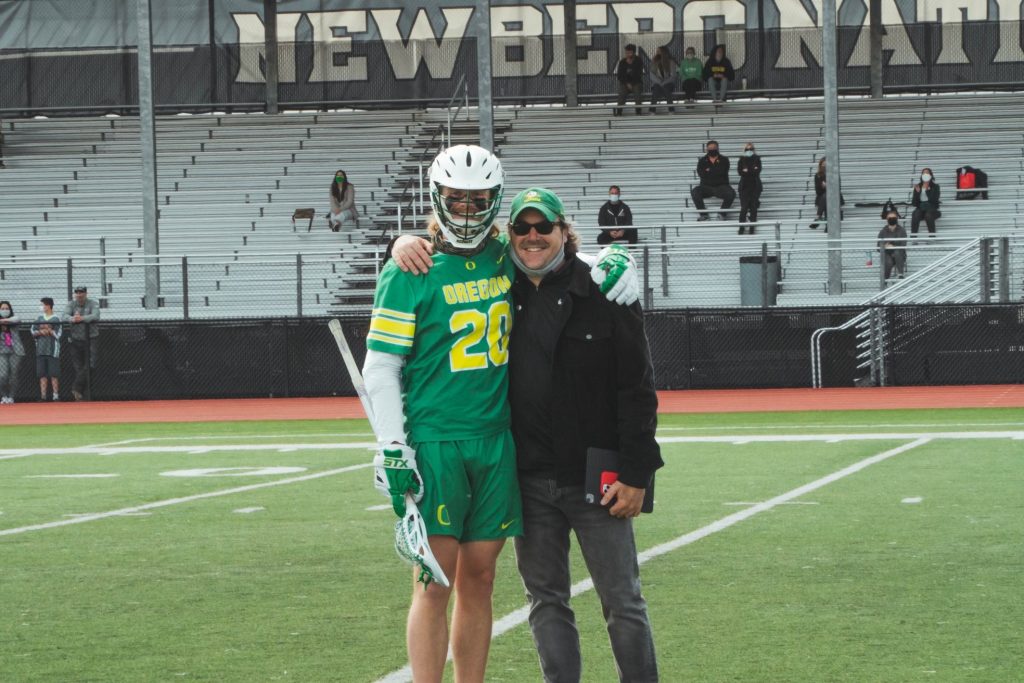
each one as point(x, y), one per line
point(719, 72)
point(892, 243)
point(343, 203)
point(821, 196)
point(749, 168)
point(713, 171)
point(926, 203)
point(691, 73)
point(663, 77)
point(630, 74)
point(616, 212)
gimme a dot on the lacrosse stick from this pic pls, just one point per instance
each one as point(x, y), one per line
point(410, 531)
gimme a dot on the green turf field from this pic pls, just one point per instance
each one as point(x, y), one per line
point(906, 567)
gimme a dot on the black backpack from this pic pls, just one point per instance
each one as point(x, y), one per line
point(971, 183)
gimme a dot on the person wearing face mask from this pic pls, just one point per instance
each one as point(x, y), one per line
point(749, 169)
point(892, 244)
point(343, 203)
point(11, 352)
point(616, 213)
point(580, 376)
point(46, 331)
point(691, 73)
point(719, 73)
point(713, 171)
point(925, 202)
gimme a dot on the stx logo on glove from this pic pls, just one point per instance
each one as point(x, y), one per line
point(394, 460)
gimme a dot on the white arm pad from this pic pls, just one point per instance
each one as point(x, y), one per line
point(382, 374)
point(589, 259)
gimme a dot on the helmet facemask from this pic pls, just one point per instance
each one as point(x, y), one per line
point(465, 216)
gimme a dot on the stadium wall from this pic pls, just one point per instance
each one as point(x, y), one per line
point(691, 349)
point(78, 55)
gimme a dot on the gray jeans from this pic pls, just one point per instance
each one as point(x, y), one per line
point(718, 87)
point(609, 549)
point(9, 363)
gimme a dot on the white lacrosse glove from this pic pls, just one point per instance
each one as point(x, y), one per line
point(395, 472)
point(617, 275)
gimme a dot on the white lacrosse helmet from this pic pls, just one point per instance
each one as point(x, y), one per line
point(466, 168)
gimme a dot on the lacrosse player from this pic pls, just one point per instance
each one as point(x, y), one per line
point(436, 372)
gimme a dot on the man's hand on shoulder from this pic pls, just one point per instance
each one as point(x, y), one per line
point(413, 254)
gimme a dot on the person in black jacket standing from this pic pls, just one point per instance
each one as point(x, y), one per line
point(713, 171)
point(749, 168)
point(580, 376)
point(615, 213)
point(630, 74)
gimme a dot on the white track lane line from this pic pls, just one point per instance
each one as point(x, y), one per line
point(8, 454)
point(176, 501)
point(519, 616)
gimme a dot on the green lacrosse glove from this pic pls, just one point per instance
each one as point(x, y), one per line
point(616, 274)
point(395, 472)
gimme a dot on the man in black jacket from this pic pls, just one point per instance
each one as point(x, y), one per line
point(713, 171)
point(615, 215)
point(630, 74)
point(581, 376)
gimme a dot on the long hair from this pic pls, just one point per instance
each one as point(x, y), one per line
point(821, 167)
point(5, 301)
point(662, 61)
point(339, 193)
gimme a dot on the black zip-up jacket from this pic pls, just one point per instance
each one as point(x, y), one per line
point(933, 196)
point(614, 214)
point(580, 376)
point(712, 173)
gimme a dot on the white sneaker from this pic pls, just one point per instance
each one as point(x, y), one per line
point(6, 399)
point(56, 396)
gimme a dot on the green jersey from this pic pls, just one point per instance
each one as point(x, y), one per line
point(452, 324)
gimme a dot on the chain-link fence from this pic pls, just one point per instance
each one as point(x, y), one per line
point(318, 72)
point(692, 349)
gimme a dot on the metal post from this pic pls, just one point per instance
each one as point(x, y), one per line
point(147, 141)
point(88, 362)
point(419, 197)
point(764, 275)
point(298, 285)
point(833, 188)
point(184, 287)
point(571, 53)
point(483, 73)
point(1004, 270)
point(70, 285)
point(875, 37)
point(881, 268)
point(664, 261)
point(270, 49)
point(648, 292)
point(103, 266)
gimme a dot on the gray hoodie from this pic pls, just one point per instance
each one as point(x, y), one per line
point(90, 312)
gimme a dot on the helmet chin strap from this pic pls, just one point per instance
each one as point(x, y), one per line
point(445, 247)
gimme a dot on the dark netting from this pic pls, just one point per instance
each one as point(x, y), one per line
point(691, 349)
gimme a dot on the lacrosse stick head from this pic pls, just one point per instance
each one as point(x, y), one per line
point(412, 546)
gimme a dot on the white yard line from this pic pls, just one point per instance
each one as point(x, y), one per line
point(176, 501)
point(9, 453)
point(307, 435)
point(901, 425)
point(519, 616)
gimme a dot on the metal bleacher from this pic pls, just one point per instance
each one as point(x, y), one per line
point(228, 186)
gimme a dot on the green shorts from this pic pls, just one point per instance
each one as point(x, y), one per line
point(471, 488)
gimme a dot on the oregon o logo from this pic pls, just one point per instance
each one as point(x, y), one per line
point(443, 518)
point(470, 265)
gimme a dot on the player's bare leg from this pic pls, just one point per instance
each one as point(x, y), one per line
point(472, 616)
point(426, 631)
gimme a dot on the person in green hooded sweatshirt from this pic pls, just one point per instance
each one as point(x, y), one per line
point(691, 72)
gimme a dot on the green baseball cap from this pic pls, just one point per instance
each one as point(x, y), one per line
point(544, 200)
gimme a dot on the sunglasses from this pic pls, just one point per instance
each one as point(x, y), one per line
point(522, 228)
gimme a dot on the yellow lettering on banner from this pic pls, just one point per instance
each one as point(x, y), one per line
point(471, 291)
point(449, 294)
point(460, 292)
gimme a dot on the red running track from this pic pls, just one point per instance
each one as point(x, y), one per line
point(694, 401)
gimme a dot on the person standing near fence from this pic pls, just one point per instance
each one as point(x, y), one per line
point(46, 332)
point(11, 352)
point(83, 314)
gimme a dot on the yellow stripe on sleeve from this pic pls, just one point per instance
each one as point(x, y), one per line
point(393, 327)
point(385, 339)
point(392, 313)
